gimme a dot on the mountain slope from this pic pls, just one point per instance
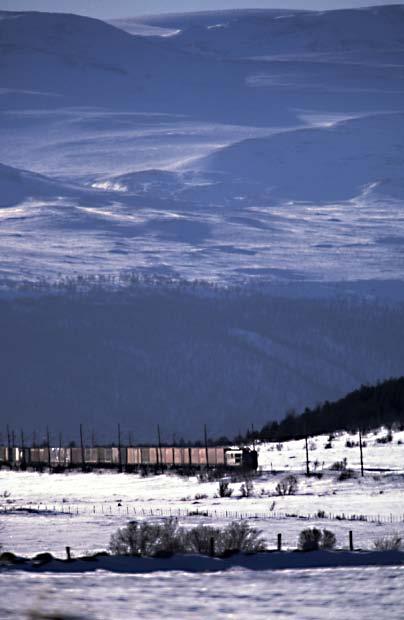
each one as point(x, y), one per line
point(321, 164)
point(182, 356)
point(368, 407)
point(20, 185)
point(272, 32)
point(52, 55)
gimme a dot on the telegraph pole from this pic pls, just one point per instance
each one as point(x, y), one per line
point(9, 445)
point(119, 449)
point(48, 444)
point(307, 456)
point(23, 464)
point(361, 452)
point(83, 457)
point(159, 457)
point(206, 445)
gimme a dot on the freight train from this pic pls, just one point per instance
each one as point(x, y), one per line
point(129, 458)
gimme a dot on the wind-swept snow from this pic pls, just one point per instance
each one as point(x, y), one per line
point(247, 144)
point(323, 164)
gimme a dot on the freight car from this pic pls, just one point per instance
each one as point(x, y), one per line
point(130, 458)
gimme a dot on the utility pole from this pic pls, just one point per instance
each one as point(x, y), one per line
point(59, 458)
point(119, 449)
point(83, 456)
point(159, 456)
point(23, 464)
point(307, 456)
point(206, 445)
point(9, 445)
point(361, 452)
point(48, 444)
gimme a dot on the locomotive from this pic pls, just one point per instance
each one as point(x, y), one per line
point(129, 458)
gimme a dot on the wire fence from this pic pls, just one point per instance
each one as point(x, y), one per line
point(136, 511)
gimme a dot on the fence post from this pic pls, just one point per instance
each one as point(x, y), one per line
point(279, 542)
point(68, 554)
point(351, 547)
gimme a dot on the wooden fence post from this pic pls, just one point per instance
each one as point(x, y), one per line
point(68, 554)
point(212, 547)
point(279, 542)
point(351, 547)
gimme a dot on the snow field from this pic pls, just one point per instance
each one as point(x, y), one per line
point(40, 512)
point(238, 594)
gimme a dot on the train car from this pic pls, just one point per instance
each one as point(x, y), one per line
point(119, 456)
point(60, 457)
point(133, 457)
point(194, 456)
point(91, 456)
point(149, 456)
point(167, 456)
point(243, 458)
point(39, 457)
point(4, 460)
point(220, 456)
point(104, 456)
point(76, 457)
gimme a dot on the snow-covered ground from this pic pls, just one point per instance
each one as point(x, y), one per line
point(83, 510)
point(39, 511)
point(303, 594)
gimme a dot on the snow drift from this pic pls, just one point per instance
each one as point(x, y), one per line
point(322, 164)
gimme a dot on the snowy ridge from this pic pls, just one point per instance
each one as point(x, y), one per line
point(333, 163)
point(219, 158)
point(289, 32)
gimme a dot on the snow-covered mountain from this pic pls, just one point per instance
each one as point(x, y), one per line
point(335, 162)
point(253, 32)
point(240, 147)
point(212, 143)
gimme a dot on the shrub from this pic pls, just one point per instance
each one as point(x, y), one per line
point(209, 475)
point(149, 539)
point(224, 489)
point(240, 536)
point(312, 539)
point(166, 538)
point(328, 540)
point(199, 539)
point(339, 465)
point(247, 489)
point(320, 514)
point(309, 539)
point(386, 438)
point(346, 474)
point(389, 543)
point(200, 496)
point(287, 486)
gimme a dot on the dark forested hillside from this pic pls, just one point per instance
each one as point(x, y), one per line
point(182, 358)
point(366, 408)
